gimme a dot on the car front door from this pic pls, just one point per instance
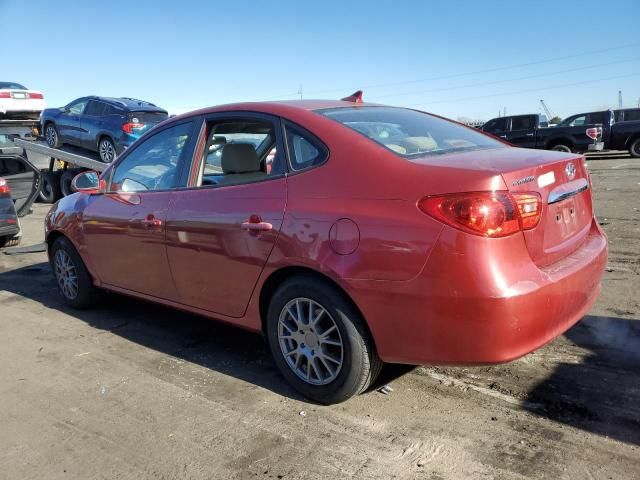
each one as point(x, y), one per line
point(124, 228)
point(221, 230)
point(68, 122)
point(523, 131)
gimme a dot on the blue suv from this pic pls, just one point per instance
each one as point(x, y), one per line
point(100, 124)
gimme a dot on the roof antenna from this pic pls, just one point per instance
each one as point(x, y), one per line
point(355, 97)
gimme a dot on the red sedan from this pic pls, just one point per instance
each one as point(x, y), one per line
point(371, 234)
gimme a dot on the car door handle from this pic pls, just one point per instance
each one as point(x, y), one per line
point(257, 226)
point(530, 134)
point(502, 136)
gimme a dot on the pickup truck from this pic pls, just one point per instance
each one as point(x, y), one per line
point(584, 132)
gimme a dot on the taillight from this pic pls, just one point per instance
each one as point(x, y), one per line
point(529, 209)
point(489, 214)
point(5, 94)
point(4, 187)
point(594, 132)
point(130, 126)
point(36, 95)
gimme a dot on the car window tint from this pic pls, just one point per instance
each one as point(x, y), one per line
point(94, 108)
point(523, 123)
point(76, 108)
point(153, 165)
point(631, 115)
point(598, 117)
point(239, 151)
point(304, 149)
point(495, 125)
point(111, 110)
point(409, 133)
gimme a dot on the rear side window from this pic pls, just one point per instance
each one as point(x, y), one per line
point(598, 117)
point(527, 122)
point(305, 150)
point(111, 110)
point(410, 133)
point(631, 115)
point(147, 117)
point(95, 108)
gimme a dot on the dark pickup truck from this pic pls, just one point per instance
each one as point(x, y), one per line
point(584, 132)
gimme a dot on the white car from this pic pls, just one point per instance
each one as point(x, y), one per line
point(19, 102)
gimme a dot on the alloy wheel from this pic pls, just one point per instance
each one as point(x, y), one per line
point(107, 152)
point(51, 136)
point(310, 341)
point(66, 274)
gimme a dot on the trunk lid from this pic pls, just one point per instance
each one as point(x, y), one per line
point(567, 209)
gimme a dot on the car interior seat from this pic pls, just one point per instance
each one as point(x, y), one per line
point(240, 163)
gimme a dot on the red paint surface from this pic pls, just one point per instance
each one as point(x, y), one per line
point(428, 292)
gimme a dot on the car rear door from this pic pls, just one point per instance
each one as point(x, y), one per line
point(91, 122)
point(124, 229)
point(522, 132)
point(222, 229)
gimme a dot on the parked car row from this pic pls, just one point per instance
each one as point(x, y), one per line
point(584, 132)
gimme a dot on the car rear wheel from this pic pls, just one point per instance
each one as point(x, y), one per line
point(562, 148)
point(50, 188)
point(319, 341)
point(634, 149)
point(107, 150)
point(72, 278)
point(51, 136)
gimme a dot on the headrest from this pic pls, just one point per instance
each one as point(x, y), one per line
point(239, 158)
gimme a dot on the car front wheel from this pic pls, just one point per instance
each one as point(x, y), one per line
point(72, 278)
point(319, 341)
point(51, 136)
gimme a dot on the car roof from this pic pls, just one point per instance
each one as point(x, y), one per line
point(131, 104)
point(277, 107)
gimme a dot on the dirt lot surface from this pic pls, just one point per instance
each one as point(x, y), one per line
point(134, 391)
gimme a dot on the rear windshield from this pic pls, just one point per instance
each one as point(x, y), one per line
point(12, 86)
point(410, 133)
point(148, 117)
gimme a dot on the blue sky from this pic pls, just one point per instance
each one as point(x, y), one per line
point(453, 58)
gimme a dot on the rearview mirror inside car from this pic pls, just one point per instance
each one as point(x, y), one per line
point(86, 182)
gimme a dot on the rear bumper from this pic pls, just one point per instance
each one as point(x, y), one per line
point(11, 105)
point(479, 302)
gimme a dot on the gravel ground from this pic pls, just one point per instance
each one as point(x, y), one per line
point(132, 390)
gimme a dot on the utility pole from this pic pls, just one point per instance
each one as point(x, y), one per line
point(619, 98)
point(505, 112)
point(300, 92)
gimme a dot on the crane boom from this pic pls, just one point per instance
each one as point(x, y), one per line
point(546, 110)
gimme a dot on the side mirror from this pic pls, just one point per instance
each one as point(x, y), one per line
point(87, 182)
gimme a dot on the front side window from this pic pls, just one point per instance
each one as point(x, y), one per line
point(153, 165)
point(495, 125)
point(77, 107)
point(410, 133)
point(239, 151)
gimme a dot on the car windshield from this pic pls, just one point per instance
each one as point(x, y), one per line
point(11, 86)
point(410, 133)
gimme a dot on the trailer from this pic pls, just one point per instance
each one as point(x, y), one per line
point(58, 166)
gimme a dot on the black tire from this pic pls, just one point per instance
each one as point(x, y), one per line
point(634, 148)
point(50, 188)
point(51, 135)
point(65, 182)
point(359, 362)
point(106, 150)
point(10, 241)
point(84, 294)
point(561, 147)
